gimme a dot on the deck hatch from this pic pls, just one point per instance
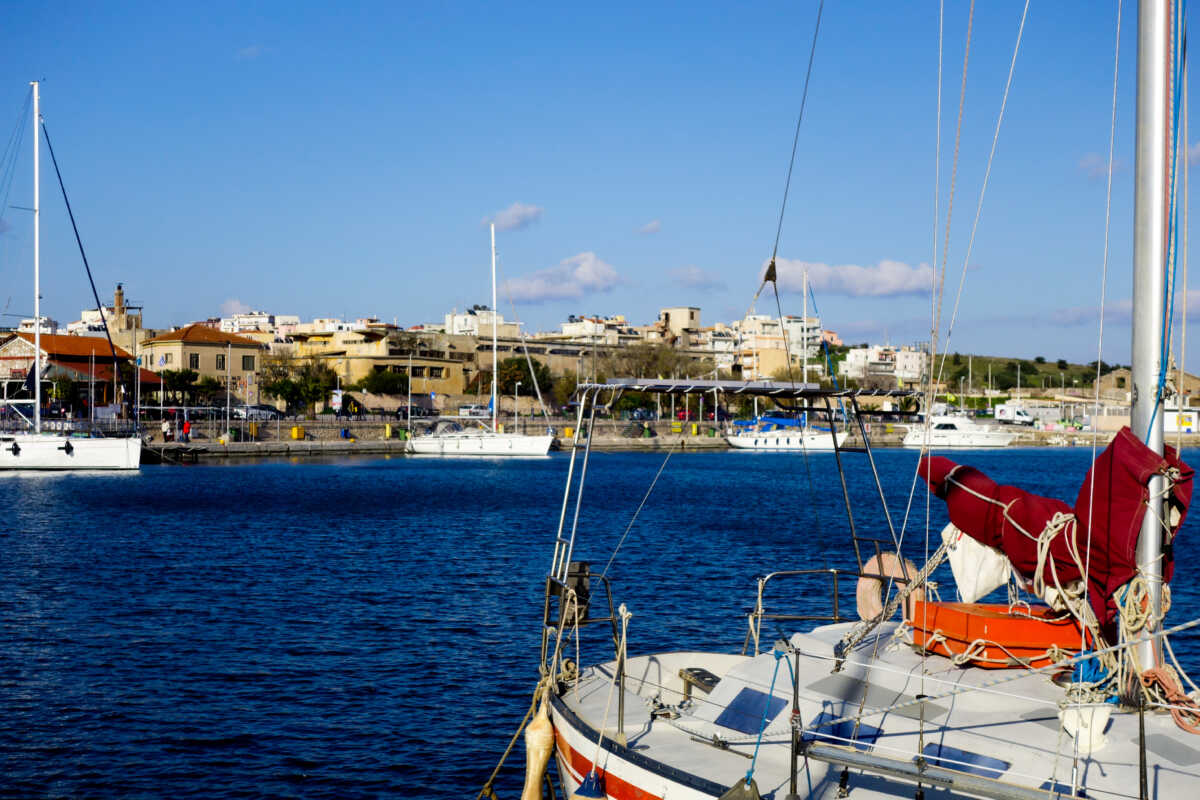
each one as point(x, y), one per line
point(947, 757)
point(842, 732)
point(745, 712)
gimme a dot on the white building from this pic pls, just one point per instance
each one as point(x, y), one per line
point(259, 321)
point(479, 321)
point(903, 364)
point(48, 325)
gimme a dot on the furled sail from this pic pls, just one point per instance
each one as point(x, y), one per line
point(1048, 541)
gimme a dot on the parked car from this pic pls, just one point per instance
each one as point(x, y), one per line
point(641, 413)
point(473, 411)
point(258, 411)
point(689, 416)
point(417, 412)
point(721, 415)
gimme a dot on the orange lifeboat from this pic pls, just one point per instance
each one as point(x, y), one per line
point(995, 635)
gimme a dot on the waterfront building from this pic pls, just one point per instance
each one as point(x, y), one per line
point(235, 361)
point(85, 361)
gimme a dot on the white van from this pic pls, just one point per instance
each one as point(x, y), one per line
point(473, 411)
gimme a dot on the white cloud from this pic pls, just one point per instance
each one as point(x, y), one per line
point(1095, 165)
point(653, 226)
point(515, 217)
point(885, 279)
point(234, 306)
point(696, 278)
point(571, 278)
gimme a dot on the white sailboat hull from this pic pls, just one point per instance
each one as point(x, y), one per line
point(32, 451)
point(481, 444)
point(963, 440)
point(786, 440)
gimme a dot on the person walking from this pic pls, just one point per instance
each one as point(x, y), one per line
point(166, 430)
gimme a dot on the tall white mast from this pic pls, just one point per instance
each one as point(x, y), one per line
point(1149, 272)
point(37, 267)
point(495, 375)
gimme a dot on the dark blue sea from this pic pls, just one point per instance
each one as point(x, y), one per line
point(362, 628)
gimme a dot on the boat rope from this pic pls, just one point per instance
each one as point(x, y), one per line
point(762, 726)
point(641, 505)
point(83, 255)
point(1181, 390)
point(1079, 658)
point(939, 293)
point(488, 791)
point(624, 614)
point(983, 189)
point(861, 629)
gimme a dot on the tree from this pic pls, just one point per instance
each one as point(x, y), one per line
point(956, 359)
point(178, 382)
point(516, 369)
point(297, 382)
point(208, 389)
point(1042, 360)
point(564, 388)
point(384, 382)
point(1062, 364)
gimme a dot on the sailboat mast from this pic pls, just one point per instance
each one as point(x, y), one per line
point(1150, 231)
point(37, 265)
point(495, 375)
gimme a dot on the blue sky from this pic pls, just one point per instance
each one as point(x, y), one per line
point(303, 159)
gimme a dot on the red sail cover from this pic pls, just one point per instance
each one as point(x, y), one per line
point(1112, 508)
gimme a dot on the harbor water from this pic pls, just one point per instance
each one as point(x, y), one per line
point(368, 627)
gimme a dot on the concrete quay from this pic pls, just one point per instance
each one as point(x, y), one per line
point(327, 437)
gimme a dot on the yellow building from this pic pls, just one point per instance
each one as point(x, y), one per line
point(209, 353)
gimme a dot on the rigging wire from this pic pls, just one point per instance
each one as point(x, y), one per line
point(983, 189)
point(82, 254)
point(8, 163)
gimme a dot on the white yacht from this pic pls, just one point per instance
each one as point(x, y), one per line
point(452, 437)
point(466, 437)
point(775, 433)
point(956, 432)
point(36, 449)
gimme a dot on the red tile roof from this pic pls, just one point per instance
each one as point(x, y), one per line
point(103, 372)
point(196, 333)
point(56, 344)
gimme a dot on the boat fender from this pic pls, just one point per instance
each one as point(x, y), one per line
point(15, 449)
point(539, 745)
point(869, 593)
point(67, 448)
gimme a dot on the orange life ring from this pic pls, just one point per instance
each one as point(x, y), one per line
point(869, 593)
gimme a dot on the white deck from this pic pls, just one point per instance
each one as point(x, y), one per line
point(1015, 722)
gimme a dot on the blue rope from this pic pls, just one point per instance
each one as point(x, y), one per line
point(762, 726)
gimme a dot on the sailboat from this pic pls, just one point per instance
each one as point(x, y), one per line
point(454, 437)
point(1068, 695)
point(775, 432)
point(36, 449)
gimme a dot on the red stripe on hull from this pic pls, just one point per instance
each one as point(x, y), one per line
point(614, 786)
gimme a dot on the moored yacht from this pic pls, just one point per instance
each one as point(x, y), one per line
point(955, 431)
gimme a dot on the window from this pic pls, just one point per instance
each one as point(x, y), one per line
point(418, 372)
point(193, 361)
point(167, 358)
point(247, 363)
point(220, 361)
point(435, 372)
